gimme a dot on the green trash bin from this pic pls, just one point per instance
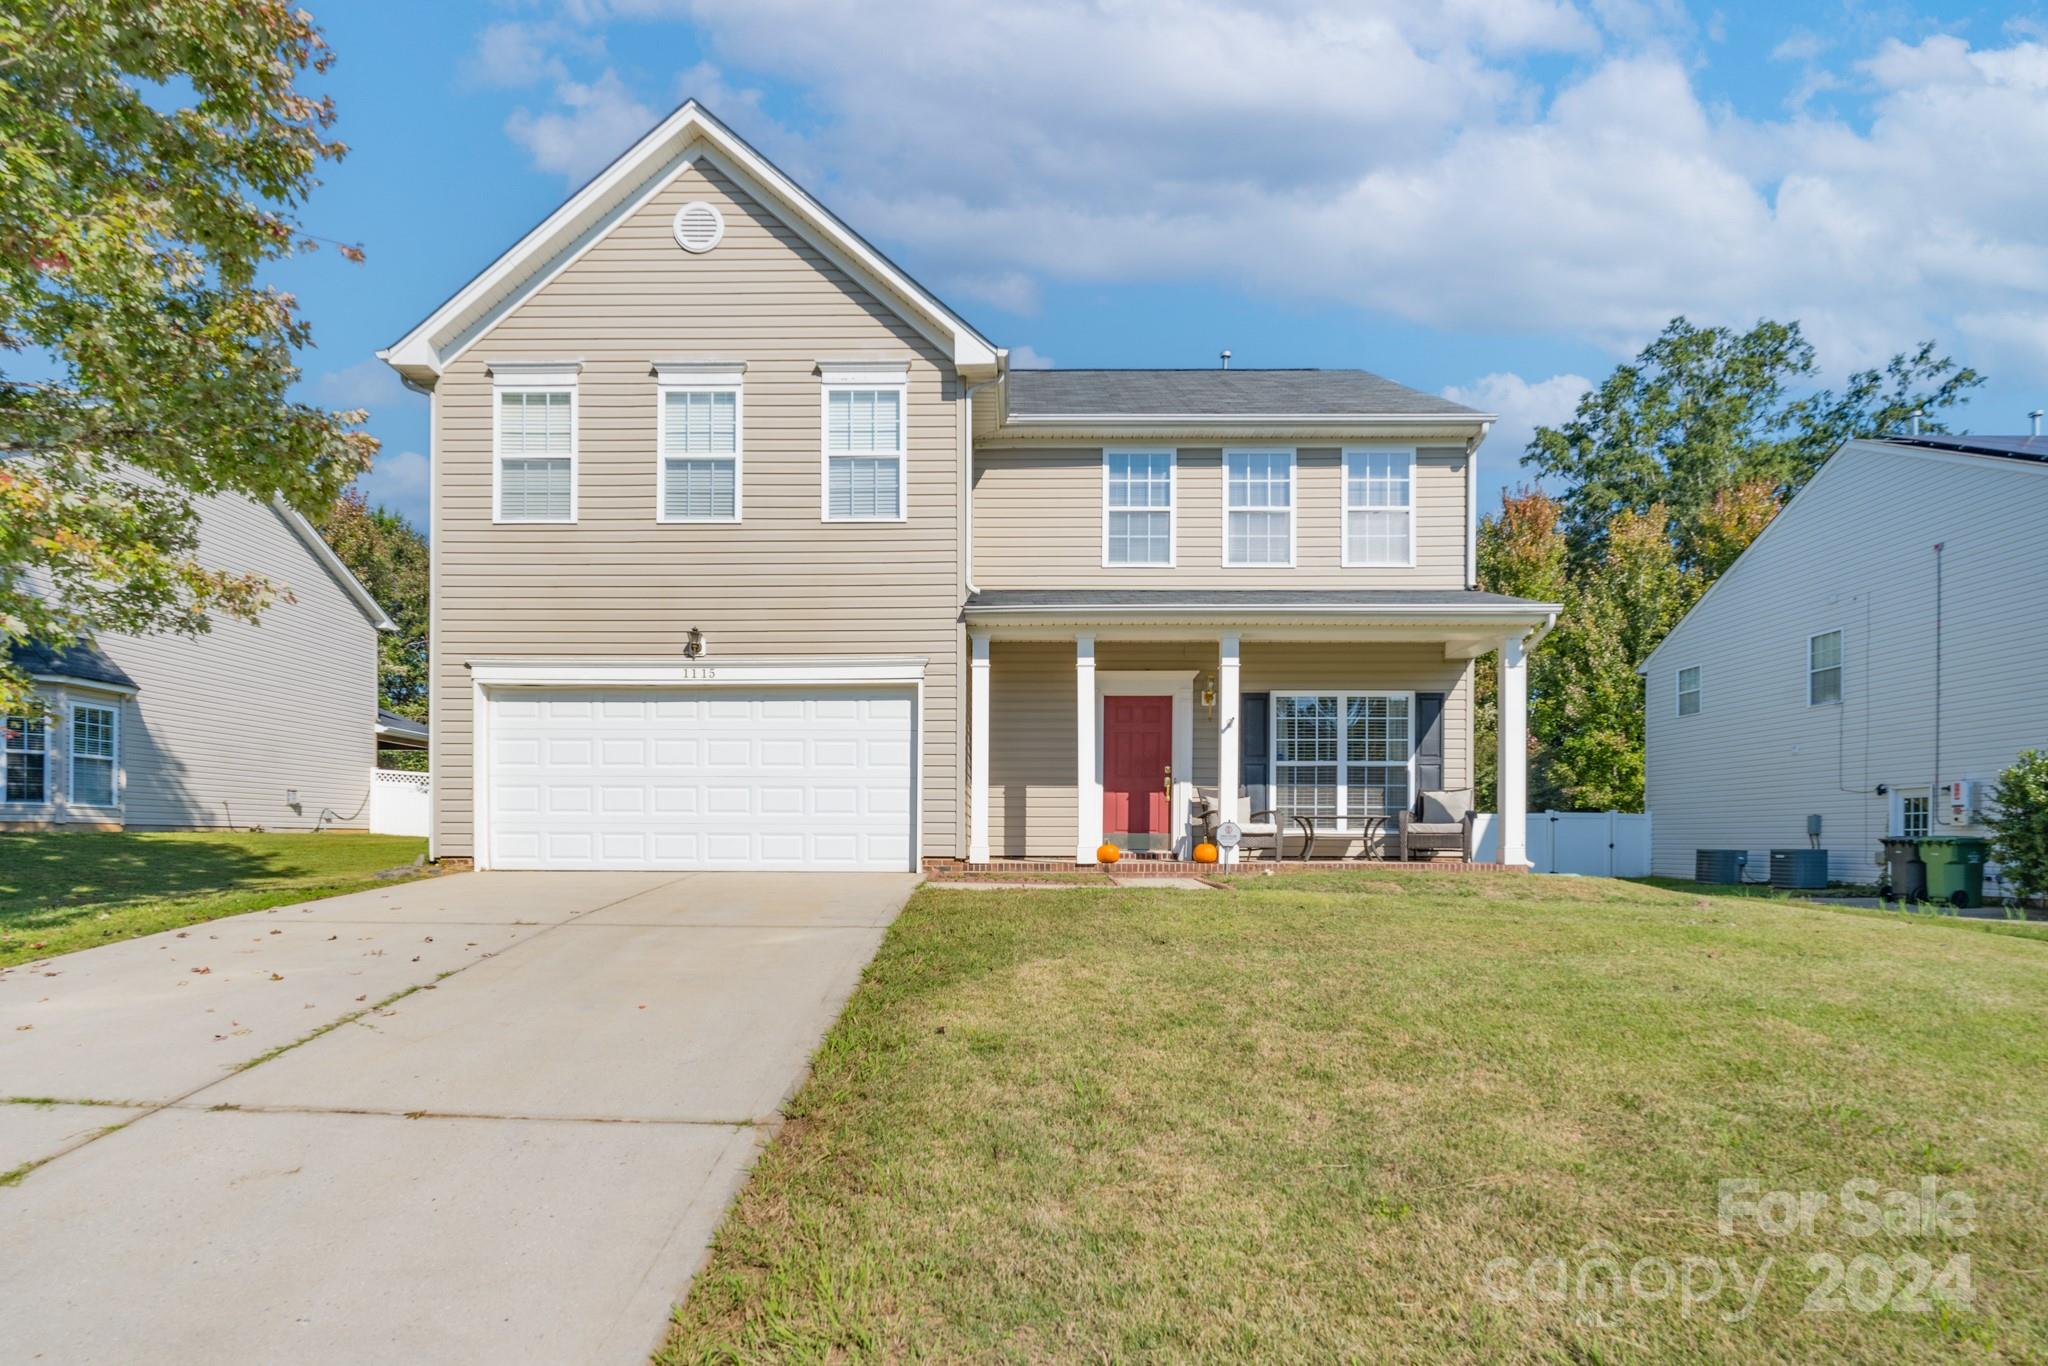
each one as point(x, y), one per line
point(1955, 869)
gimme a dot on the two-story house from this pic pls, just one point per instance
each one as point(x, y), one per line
point(750, 552)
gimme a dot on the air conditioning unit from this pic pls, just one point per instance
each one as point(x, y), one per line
point(1799, 869)
point(1959, 802)
point(1719, 865)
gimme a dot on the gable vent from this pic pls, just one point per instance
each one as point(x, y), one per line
point(699, 226)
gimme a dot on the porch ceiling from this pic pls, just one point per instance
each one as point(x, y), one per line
point(1467, 623)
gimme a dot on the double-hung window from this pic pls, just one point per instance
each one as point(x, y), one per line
point(1379, 508)
point(534, 433)
point(865, 446)
point(1258, 507)
point(95, 755)
point(699, 478)
point(1824, 668)
point(1342, 758)
point(1689, 691)
point(1137, 512)
point(24, 760)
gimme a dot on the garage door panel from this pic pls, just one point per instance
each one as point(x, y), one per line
point(757, 779)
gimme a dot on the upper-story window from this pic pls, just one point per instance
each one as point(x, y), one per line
point(1824, 668)
point(1137, 508)
point(699, 478)
point(1258, 507)
point(1689, 690)
point(865, 446)
point(534, 439)
point(1379, 508)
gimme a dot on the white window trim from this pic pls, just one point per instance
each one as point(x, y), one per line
point(1344, 508)
point(853, 375)
point(16, 806)
point(120, 774)
point(684, 377)
point(1172, 455)
point(1343, 695)
point(1678, 689)
point(1841, 668)
point(540, 378)
point(1293, 504)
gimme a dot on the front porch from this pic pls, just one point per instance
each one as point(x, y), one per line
point(1143, 719)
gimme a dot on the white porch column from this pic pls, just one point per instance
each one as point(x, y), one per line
point(1228, 738)
point(1087, 778)
point(1513, 783)
point(977, 747)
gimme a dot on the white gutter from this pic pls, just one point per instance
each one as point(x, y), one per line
point(1472, 504)
point(1249, 419)
point(967, 457)
point(1481, 611)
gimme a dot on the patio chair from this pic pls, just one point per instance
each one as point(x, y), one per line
point(1445, 823)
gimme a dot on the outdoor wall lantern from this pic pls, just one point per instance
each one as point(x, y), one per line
point(694, 645)
point(1209, 696)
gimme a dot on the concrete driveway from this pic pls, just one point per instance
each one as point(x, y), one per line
point(492, 1117)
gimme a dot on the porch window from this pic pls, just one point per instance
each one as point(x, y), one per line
point(1342, 758)
point(1379, 508)
point(24, 759)
point(1137, 501)
point(1258, 507)
point(95, 750)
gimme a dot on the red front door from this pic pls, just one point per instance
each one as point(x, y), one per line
point(1137, 750)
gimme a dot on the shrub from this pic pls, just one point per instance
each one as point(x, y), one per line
point(2019, 825)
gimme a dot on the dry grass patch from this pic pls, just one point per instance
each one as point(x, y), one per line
point(1301, 1121)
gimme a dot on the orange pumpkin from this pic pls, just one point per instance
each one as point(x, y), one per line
point(1205, 852)
point(1108, 853)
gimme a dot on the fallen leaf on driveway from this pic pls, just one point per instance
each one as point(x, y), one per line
point(364, 997)
point(19, 1028)
point(277, 977)
point(202, 970)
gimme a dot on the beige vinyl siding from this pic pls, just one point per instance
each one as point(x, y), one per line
point(1032, 700)
point(1038, 522)
point(224, 723)
point(618, 583)
point(1854, 553)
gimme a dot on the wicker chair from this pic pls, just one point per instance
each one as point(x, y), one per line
point(1445, 823)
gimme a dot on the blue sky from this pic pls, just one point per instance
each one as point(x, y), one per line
point(1493, 199)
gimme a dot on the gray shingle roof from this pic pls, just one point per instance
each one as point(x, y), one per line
point(1221, 393)
point(2009, 447)
point(81, 662)
point(1056, 599)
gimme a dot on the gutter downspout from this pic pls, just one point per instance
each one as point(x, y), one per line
point(967, 459)
point(1472, 505)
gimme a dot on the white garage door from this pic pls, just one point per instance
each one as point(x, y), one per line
point(712, 778)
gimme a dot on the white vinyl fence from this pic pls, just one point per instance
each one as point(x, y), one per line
point(400, 803)
point(1593, 843)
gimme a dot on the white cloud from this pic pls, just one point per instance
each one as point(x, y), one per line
point(399, 481)
point(1400, 158)
point(1800, 45)
point(369, 384)
point(598, 120)
point(1024, 358)
point(1523, 406)
point(514, 54)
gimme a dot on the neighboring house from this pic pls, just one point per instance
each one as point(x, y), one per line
point(273, 724)
point(750, 552)
point(1885, 637)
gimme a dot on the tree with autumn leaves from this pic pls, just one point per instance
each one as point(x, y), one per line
point(154, 155)
point(1665, 474)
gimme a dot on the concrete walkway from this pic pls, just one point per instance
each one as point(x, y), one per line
point(493, 1117)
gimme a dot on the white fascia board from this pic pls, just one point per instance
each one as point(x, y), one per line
point(90, 684)
point(1251, 419)
point(1462, 612)
point(831, 671)
point(610, 195)
point(331, 562)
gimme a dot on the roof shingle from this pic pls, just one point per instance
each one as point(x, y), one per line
point(1219, 393)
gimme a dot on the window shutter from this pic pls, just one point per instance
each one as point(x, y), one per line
point(1254, 750)
point(1429, 746)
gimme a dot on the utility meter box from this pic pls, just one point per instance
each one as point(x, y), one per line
point(1959, 802)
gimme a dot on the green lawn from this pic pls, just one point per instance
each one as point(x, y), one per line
point(60, 892)
point(1925, 915)
point(1304, 1119)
